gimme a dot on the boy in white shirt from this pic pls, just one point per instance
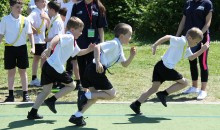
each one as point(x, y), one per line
point(164, 69)
point(15, 28)
point(40, 21)
point(53, 69)
point(106, 54)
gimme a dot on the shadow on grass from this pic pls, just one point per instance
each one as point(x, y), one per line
point(75, 128)
point(143, 119)
point(24, 123)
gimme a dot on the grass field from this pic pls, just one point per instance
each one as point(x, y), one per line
point(116, 117)
point(134, 79)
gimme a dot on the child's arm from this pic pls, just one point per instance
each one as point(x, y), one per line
point(1, 36)
point(99, 67)
point(132, 54)
point(46, 53)
point(44, 16)
point(158, 42)
point(31, 39)
point(198, 53)
point(86, 51)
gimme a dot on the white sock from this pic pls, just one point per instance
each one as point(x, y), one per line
point(88, 95)
point(78, 114)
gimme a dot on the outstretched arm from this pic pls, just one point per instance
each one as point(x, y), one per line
point(86, 51)
point(158, 42)
point(198, 53)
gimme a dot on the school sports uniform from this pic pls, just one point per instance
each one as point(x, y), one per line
point(196, 13)
point(164, 69)
point(92, 19)
point(56, 27)
point(53, 69)
point(15, 53)
point(111, 53)
point(38, 23)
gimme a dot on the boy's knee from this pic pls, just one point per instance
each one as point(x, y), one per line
point(185, 82)
point(112, 94)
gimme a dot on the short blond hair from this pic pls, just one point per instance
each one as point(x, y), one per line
point(195, 33)
point(121, 28)
point(75, 23)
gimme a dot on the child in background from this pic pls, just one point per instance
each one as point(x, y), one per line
point(53, 69)
point(106, 54)
point(164, 69)
point(39, 20)
point(15, 28)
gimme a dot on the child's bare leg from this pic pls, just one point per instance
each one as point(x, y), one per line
point(195, 83)
point(24, 79)
point(65, 90)
point(42, 61)
point(35, 64)
point(90, 102)
point(104, 94)
point(180, 84)
point(76, 69)
point(11, 78)
point(40, 98)
point(144, 96)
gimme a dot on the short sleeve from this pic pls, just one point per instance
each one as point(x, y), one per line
point(31, 17)
point(28, 26)
point(59, 28)
point(66, 39)
point(76, 50)
point(107, 46)
point(208, 7)
point(177, 41)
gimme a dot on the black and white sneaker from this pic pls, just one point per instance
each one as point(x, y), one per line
point(31, 116)
point(162, 98)
point(78, 121)
point(51, 105)
point(135, 108)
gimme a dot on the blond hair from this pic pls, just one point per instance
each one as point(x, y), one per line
point(195, 33)
point(75, 23)
point(121, 28)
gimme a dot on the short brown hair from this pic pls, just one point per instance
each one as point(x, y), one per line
point(75, 23)
point(195, 33)
point(13, 2)
point(121, 28)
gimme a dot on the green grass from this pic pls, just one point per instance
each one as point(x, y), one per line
point(130, 82)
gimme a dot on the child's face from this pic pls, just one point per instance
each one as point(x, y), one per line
point(77, 32)
point(125, 38)
point(41, 4)
point(50, 11)
point(193, 42)
point(16, 9)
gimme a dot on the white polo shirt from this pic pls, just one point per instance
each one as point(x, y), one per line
point(62, 52)
point(35, 19)
point(56, 27)
point(111, 53)
point(175, 51)
point(10, 28)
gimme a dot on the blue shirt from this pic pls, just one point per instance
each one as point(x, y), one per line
point(98, 21)
point(196, 13)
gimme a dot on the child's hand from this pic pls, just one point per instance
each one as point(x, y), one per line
point(91, 46)
point(133, 51)
point(99, 68)
point(44, 16)
point(32, 51)
point(205, 46)
point(45, 54)
point(154, 48)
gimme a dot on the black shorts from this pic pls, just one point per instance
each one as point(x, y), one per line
point(39, 48)
point(94, 79)
point(162, 73)
point(16, 56)
point(50, 75)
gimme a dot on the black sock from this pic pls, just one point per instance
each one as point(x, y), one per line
point(52, 99)
point(24, 94)
point(77, 81)
point(11, 93)
point(34, 77)
point(165, 93)
point(137, 103)
point(33, 111)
